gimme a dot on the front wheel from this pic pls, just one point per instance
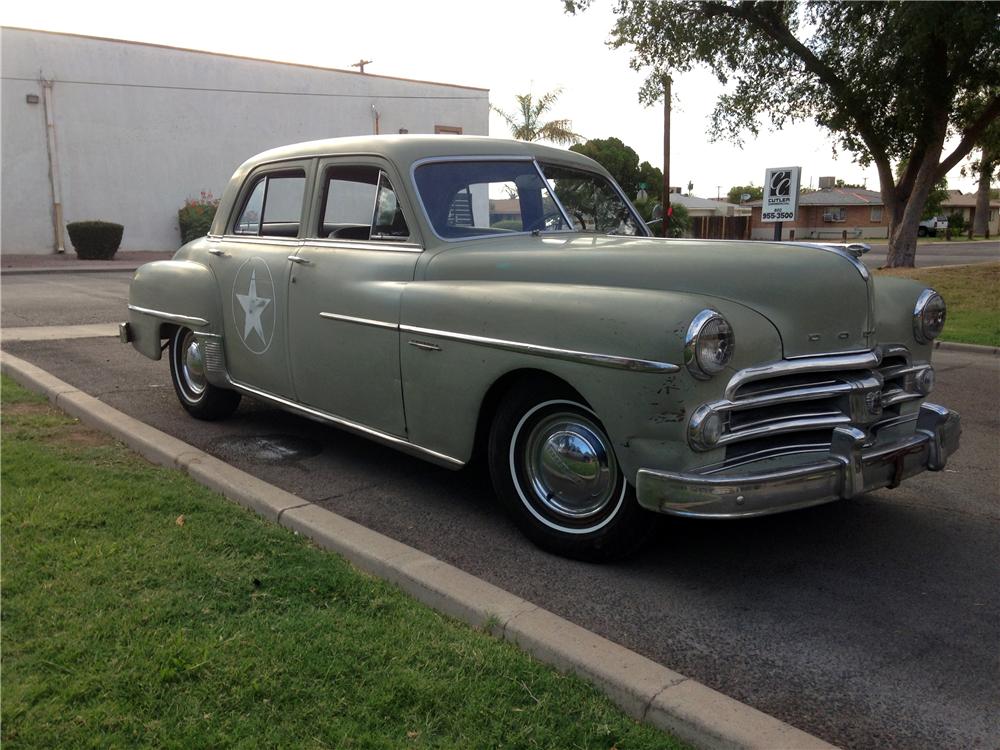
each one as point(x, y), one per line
point(921, 231)
point(554, 468)
point(200, 398)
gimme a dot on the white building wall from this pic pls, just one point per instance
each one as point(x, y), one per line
point(141, 128)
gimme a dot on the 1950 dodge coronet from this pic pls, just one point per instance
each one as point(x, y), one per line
point(455, 295)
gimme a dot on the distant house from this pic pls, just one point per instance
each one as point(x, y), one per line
point(706, 207)
point(958, 202)
point(827, 213)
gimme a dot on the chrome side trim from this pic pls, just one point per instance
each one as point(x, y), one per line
point(381, 245)
point(256, 239)
point(861, 361)
point(359, 321)
point(187, 320)
point(321, 416)
point(591, 358)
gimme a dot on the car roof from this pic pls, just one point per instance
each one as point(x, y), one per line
point(404, 150)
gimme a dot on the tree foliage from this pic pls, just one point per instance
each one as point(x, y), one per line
point(620, 160)
point(736, 192)
point(652, 178)
point(527, 124)
point(890, 81)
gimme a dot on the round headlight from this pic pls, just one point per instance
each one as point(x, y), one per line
point(709, 344)
point(928, 316)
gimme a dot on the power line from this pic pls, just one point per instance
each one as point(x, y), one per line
point(247, 91)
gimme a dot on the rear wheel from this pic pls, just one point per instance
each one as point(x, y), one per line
point(187, 371)
point(555, 470)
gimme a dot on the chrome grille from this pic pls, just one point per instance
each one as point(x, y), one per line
point(801, 401)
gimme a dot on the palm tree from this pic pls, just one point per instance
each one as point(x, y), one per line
point(527, 125)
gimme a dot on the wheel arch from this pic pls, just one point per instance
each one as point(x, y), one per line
point(500, 389)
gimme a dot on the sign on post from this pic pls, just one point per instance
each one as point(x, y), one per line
point(781, 194)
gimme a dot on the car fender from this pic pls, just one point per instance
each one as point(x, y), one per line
point(168, 293)
point(459, 338)
point(895, 302)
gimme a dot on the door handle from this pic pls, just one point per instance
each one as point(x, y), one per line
point(218, 251)
point(300, 260)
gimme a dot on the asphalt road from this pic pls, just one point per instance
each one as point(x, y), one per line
point(940, 253)
point(871, 622)
point(63, 298)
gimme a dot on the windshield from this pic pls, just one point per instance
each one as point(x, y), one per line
point(481, 198)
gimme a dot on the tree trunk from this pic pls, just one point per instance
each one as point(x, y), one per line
point(905, 214)
point(981, 220)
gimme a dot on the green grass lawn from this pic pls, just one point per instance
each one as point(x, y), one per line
point(973, 296)
point(140, 609)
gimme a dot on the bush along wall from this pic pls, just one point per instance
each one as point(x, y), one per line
point(195, 219)
point(95, 240)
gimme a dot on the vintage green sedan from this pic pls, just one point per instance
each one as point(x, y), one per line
point(460, 296)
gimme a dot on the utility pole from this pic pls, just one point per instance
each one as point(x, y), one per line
point(666, 156)
point(360, 64)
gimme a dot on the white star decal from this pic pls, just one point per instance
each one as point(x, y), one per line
point(253, 306)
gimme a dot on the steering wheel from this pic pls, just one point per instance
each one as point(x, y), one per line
point(544, 221)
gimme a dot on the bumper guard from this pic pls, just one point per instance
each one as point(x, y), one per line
point(849, 470)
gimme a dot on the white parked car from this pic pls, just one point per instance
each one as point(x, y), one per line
point(932, 226)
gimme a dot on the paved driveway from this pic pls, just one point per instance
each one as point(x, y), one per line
point(871, 622)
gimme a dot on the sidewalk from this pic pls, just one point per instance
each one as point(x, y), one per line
point(124, 260)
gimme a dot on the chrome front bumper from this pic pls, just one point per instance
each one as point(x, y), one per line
point(847, 471)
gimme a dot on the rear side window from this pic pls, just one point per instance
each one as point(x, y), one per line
point(273, 207)
point(359, 203)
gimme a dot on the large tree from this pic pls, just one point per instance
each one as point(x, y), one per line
point(891, 81)
point(620, 160)
point(527, 125)
point(736, 193)
point(986, 166)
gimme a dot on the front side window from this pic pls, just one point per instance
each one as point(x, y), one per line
point(360, 204)
point(479, 198)
point(591, 201)
point(274, 206)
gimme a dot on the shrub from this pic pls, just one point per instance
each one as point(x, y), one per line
point(196, 217)
point(95, 240)
point(956, 222)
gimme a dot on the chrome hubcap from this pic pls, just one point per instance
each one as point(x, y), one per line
point(193, 365)
point(570, 466)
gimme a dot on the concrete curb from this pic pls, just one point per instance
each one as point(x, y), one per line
point(59, 333)
point(954, 346)
point(644, 689)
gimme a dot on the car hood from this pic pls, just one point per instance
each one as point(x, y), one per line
point(817, 298)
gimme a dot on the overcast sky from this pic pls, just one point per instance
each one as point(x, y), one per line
point(509, 47)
